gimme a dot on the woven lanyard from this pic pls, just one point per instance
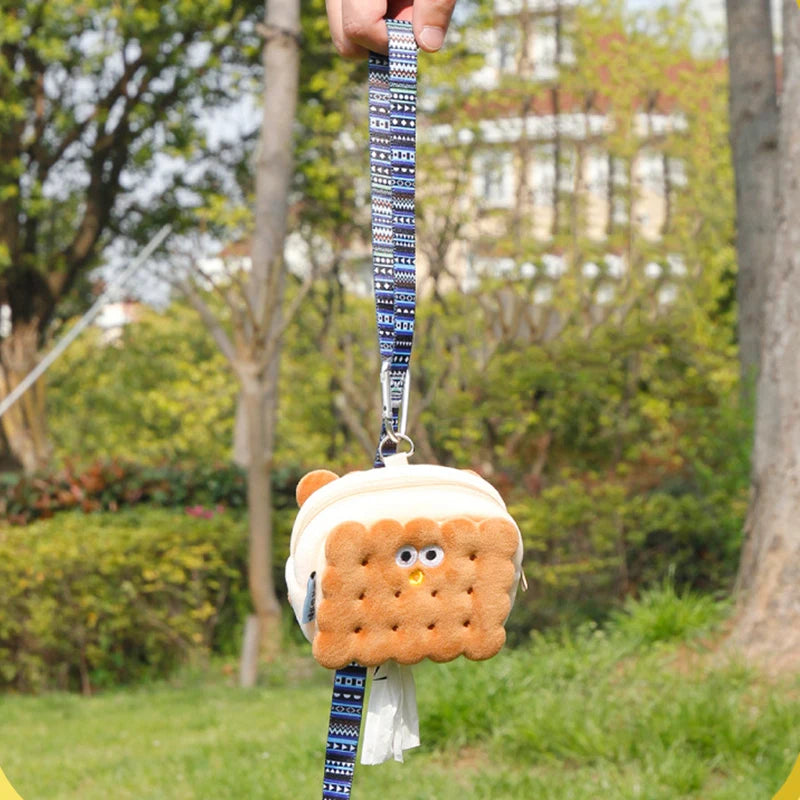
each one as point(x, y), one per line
point(392, 147)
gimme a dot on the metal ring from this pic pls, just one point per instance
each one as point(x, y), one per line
point(401, 437)
point(389, 432)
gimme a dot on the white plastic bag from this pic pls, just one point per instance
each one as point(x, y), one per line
point(392, 724)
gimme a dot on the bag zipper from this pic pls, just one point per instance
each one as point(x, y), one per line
point(386, 486)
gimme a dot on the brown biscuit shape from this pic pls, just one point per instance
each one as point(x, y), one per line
point(370, 611)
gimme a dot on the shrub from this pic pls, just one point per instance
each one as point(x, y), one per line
point(660, 614)
point(592, 541)
point(111, 485)
point(91, 601)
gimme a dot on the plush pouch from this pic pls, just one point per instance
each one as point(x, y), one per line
point(402, 563)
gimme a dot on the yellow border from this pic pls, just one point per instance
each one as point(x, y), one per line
point(790, 790)
point(6, 789)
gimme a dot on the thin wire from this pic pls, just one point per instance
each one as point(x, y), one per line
point(68, 338)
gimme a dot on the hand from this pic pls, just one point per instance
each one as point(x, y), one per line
point(357, 26)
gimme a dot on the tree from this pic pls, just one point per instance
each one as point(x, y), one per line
point(251, 337)
point(754, 141)
point(767, 625)
point(102, 108)
point(159, 392)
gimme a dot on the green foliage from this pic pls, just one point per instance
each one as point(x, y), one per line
point(97, 99)
point(328, 166)
point(160, 392)
point(93, 601)
point(163, 393)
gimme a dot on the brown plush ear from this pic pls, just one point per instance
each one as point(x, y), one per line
point(314, 480)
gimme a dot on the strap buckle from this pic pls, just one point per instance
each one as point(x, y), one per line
point(388, 404)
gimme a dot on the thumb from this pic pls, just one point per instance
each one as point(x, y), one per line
point(431, 18)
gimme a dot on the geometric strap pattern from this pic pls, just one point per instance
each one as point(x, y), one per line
point(392, 136)
point(403, 127)
point(392, 164)
point(344, 729)
point(380, 173)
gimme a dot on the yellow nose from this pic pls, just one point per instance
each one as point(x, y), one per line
point(416, 577)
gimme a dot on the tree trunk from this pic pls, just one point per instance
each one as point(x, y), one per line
point(24, 424)
point(274, 166)
point(767, 626)
point(754, 141)
point(262, 631)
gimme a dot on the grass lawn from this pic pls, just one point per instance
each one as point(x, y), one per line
point(586, 715)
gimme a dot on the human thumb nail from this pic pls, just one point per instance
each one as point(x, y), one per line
point(431, 38)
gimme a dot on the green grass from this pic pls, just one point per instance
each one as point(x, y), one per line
point(660, 614)
point(578, 716)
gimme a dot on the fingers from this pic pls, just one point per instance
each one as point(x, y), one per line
point(343, 44)
point(358, 26)
point(431, 19)
point(364, 25)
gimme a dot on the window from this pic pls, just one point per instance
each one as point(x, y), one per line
point(544, 50)
point(604, 294)
point(494, 179)
point(657, 124)
point(567, 164)
point(543, 176)
point(542, 294)
point(590, 270)
point(494, 267)
point(619, 172)
point(615, 265)
point(649, 171)
point(507, 47)
point(596, 172)
point(677, 172)
point(667, 295)
point(653, 270)
point(677, 264)
point(619, 211)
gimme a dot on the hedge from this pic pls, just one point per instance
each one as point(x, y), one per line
point(111, 485)
point(89, 601)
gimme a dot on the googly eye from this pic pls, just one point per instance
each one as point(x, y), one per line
point(406, 556)
point(431, 556)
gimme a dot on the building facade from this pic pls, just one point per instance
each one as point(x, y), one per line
point(557, 178)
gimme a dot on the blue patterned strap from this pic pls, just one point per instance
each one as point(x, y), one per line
point(344, 729)
point(392, 129)
point(380, 171)
point(392, 138)
point(403, 127)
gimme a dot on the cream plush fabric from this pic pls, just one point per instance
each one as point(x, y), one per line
point(454, 595)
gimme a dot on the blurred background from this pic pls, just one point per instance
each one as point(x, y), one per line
point(576, 344)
